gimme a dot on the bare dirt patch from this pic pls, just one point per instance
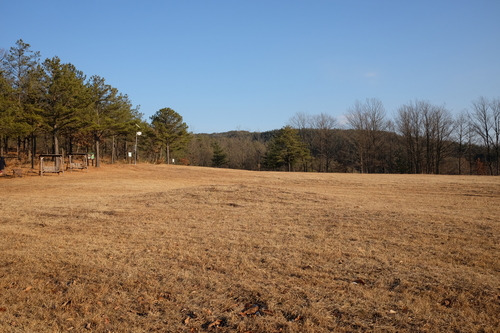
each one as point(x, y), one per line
point(186, 249)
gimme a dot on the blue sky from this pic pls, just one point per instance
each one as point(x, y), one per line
point(252, 65)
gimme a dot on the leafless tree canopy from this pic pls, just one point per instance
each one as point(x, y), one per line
point(368, 120)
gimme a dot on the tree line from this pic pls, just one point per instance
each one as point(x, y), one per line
point(422, 138)
point(49, 106)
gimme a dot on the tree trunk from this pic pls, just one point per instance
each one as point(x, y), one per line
point(33, 150)
point(362, 161)
point(125, 150)
point(113, 151)
point(18, 146)
point(55, 149)
point(6, 144)
point(460, 165)
point(97, 154)
point(438, 162)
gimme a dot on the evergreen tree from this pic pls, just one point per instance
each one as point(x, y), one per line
point(109, 113)
point(21, 70)
point(285, 149)
point(219, 158)
point(170, 130)
point(67, 98)
point(7, 112)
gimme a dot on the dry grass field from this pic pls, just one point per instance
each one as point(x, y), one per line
point(156, 248)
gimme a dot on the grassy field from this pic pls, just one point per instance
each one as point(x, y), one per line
point(156, 248)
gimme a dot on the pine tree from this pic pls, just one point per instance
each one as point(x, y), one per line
point(67, 98)
point(21, 70)
point(219, 158)
point(285, 149)
point(109, 113)
point(170, 130)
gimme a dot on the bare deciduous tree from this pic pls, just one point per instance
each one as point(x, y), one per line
point(495, 108)
point(442, 130)
point(427, 130)
point(461, 131)
point(301, 122)
point(368, 120)
point(483, 124)
point(409, 125)
point(323, 142)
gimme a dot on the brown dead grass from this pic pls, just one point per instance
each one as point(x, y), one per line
point(185, 249)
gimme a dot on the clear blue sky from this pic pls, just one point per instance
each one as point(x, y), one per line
point(251, 65)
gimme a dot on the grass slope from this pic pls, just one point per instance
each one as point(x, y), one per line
point(186, 249)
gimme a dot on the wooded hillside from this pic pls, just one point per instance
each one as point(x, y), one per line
point(50, 106)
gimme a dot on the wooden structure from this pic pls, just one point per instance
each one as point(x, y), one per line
point(17, 172)
point(77, 161)
point(51, 163)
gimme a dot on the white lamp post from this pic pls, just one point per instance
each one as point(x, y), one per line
point(135, 149)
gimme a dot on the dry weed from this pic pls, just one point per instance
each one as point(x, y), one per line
point(186, 249)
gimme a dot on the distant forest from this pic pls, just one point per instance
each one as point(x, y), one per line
point(50, 107)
